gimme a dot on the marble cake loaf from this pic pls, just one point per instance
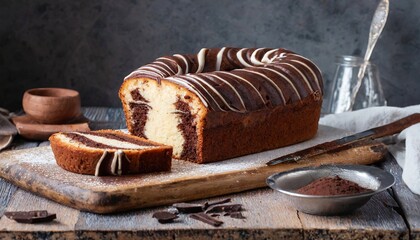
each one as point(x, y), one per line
point(109, 152)
point(224, 103)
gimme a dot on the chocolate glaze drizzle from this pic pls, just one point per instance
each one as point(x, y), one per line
point(118, 164)
point(238, 79)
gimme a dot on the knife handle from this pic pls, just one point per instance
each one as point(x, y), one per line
point(396, 127)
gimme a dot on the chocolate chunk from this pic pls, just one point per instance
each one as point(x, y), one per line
point(206, 219)
point(188, 207)
point(214, 215)
point(209, 204)
point(225, 208)
point(165, 217)
point(173, 210)
point(237, 215)
point(31, 216)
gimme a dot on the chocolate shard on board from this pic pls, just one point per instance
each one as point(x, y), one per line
point(206, 219)
point(237, 215)
point(188, 207)
point(31, 216)
point(173, 210)
point(209, 204)
point(164, 216)
point(228, 208)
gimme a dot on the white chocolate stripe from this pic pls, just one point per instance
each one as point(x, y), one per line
point(219, 58)
point(241, 59)
point(279, 58)
point(185, 61)
point(180, 72)
point(200, 82)
point(116, 162)
point(165, 66)
point(166, 58)
point(154, 66)
point(145, 70)
point(285, 78)
point(276, 66)
point(246, 81)
point(271, 81)
point(117, 159)
point(98, 165)
point(112, 142)
point(217, 93)
point(300, 73)
point(254, 59)
point(232, 87)
point(179, 68)
point(312, 72)
point(282, 55)
point(265, 58)
point(201, 58)
point(189, 86)
point(300, 56)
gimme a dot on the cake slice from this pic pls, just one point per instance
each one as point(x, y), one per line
point(109, 152)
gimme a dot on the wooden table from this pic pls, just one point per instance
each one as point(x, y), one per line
point(393, 214)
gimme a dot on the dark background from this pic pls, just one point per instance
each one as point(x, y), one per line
point(91, 46)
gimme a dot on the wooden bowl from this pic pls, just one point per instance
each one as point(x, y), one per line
point(51, 105)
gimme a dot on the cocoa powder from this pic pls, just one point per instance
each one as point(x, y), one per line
point(332, 186)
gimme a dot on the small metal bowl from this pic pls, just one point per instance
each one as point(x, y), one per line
point(365, 176)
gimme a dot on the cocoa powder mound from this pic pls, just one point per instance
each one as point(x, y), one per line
point(332, 186)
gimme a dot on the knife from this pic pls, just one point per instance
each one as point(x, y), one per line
point(374, 133)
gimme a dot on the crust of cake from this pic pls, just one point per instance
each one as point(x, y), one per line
point(231, 135)
point(83, 160)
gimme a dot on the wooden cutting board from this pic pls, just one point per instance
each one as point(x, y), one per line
point(35, 170)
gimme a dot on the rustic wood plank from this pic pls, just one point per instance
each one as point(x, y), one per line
point(22, 143)
point(105, 118)
point(6, 192)
point(266, 218)
point(24, 201)
point(407, 200)
point(375, 220)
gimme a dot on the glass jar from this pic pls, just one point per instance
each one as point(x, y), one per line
point(354, 87)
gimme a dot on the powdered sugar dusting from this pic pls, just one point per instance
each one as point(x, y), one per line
point(39, 164)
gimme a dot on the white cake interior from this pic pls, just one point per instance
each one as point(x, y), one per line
point(163, 117)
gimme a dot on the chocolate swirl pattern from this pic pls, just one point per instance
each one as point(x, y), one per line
point(108, 152)
point(214, 82)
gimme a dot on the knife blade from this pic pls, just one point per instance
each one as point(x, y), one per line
point(370, 134)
